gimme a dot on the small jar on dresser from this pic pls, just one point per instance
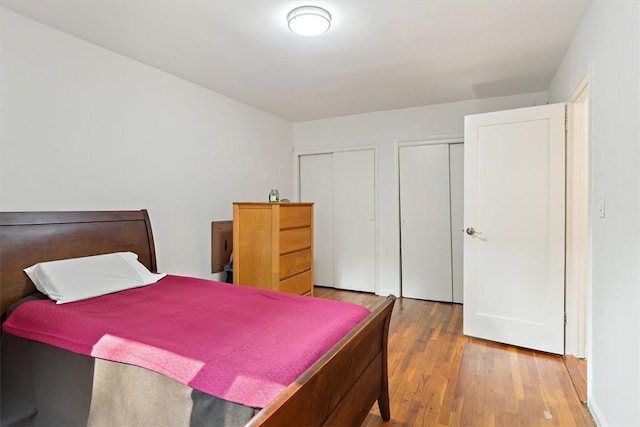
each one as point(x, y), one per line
point(273, 246)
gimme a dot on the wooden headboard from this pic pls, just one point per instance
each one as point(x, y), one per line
point(27, 238)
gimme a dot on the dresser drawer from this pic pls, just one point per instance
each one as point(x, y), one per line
point(295, 216)
point(300, 284)
point(294, 263)
point(295, 239)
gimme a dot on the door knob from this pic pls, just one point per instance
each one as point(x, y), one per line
point(471, 232)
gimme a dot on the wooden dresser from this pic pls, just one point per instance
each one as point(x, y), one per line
point(273, 246)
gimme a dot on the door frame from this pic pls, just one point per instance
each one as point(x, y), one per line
point(578, 298)
point(457, 138)
point(297, 153)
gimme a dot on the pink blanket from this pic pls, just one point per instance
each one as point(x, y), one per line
point(240, 344)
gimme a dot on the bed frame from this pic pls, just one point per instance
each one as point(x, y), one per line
point(339, 389)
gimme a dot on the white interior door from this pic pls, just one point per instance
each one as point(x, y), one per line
point(316, 185)
point(354, 220)
point(514, 199)
point(456, 187)
point(425, 222)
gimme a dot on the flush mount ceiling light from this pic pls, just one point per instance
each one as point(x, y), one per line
point(309, 20)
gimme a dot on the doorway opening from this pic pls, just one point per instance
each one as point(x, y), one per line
point(577, 256)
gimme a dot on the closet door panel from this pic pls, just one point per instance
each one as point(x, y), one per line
point(425, 225)
point(316, 185)
point(354, 220)
point(456, 176)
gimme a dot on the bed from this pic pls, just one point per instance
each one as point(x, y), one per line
point(338, 389)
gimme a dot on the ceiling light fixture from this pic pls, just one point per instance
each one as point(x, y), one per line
point(309, 20)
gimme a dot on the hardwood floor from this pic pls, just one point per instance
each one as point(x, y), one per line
point(438, 377)
point(578, 372)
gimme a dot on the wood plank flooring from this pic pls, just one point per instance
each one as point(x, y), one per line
point(578, 372)
point(438, 377)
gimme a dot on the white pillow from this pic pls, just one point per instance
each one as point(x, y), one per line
point(81, 278)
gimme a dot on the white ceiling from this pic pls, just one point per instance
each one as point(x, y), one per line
point(378, 55)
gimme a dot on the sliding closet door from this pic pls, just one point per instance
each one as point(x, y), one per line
point(425, 225)
point(354, 220)
point(456, 177)
point(316, 185)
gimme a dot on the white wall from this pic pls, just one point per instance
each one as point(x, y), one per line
point(383, 130)
point(85, 128)
point(606, 48)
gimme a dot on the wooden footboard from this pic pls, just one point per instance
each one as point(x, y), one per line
point(341, 387)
